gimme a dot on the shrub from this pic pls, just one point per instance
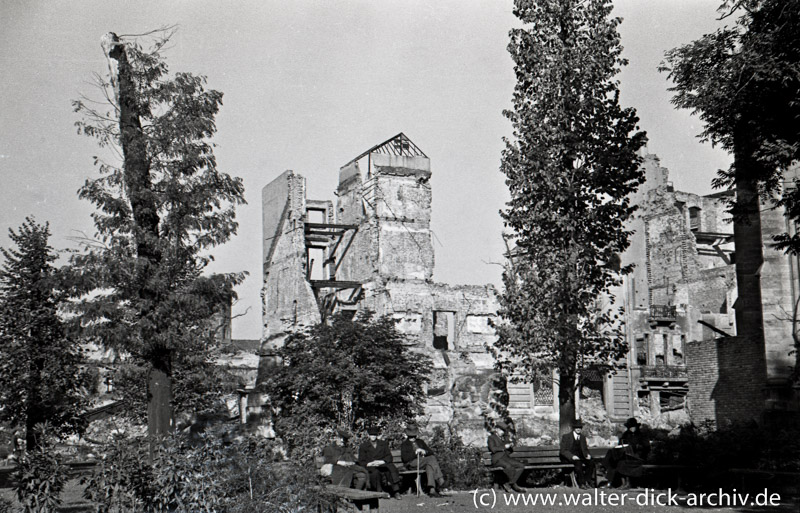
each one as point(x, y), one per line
point(460, 464)
point(122, 481)
point(204, 473)
point(716, 450)
point(40, 480)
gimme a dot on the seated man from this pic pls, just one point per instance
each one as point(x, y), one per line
point(501, 448)
point(626, 459)
point(574, 450)
point(417, 455)
point(340, 464)
point(375, 455)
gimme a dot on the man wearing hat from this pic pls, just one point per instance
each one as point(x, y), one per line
point(626, 459)
point(375, 455)
point(414, 450)
point(574, 450)
point(340, 464)
point(501, 448)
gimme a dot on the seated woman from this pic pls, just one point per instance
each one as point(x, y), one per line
point(501, 448)
point(626, 459)
point(340, 464)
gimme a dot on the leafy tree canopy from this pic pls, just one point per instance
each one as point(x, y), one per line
point(160, 208)
point(347, 373)
point(570, 166)
point(41, 378)
point(743, 81)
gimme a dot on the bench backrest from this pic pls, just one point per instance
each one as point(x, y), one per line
point(541, 455)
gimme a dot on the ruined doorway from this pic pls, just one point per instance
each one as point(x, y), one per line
point(444, 330)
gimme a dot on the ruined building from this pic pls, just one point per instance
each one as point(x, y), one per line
point(372, 249)
point(682, 305)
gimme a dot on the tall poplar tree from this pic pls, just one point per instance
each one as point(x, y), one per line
point(570, 166)
point(160, 210)
point(41, 377)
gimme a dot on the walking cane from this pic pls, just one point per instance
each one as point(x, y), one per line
point(419, 484)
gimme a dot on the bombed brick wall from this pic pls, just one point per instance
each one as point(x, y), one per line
point(726, 380)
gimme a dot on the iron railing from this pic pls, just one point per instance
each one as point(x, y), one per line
point(663, 312)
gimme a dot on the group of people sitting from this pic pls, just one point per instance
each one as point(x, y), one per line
point(622, 462)
point(374, 467)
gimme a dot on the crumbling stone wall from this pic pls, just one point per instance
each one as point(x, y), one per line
point(388, 198)
point(288, 301)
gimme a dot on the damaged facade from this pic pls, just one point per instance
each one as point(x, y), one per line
point(682, 309)
point(373, 250)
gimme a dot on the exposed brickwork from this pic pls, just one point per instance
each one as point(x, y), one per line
point(726, 380)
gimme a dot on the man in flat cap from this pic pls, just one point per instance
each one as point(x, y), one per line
point(501, 447)
point(575, 450)
point(375, 455)
point(340, 464)
point(414, 451)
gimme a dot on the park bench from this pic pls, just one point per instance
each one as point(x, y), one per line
point(546, 457)
point(359, 498)
point(408, 475)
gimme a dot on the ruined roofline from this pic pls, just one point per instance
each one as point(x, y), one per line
point(722, 194)
point(399, 145)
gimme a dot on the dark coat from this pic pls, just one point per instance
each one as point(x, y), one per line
point(571, 447)
point(408, 450)
point(635, 454)
point(368, 452)
point(497, 446)
point(341, 475)
point(639, 444)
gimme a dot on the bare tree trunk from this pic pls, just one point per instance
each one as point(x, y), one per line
point(748, 241)
point(566, 403)
point(159, 401)
point(138, 185)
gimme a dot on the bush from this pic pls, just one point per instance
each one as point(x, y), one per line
point(40, 480)
point(123, 479)
point(716, 450)
point(246, 474)
point(461, 465)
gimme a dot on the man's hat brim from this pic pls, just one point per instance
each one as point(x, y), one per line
point(631, 422)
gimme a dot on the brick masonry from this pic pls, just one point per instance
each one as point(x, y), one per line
point(726, 380)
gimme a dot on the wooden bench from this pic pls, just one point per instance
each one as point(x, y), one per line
point(546, 457)
point(406, 473)
point(359, 498)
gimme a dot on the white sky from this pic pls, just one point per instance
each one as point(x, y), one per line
point(309, 85)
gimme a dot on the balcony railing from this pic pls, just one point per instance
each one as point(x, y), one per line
point(662, 312)
point(663, 371)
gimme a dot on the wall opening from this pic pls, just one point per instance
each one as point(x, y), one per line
point(641, 350)
point(694, 219)
point(444, 330)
